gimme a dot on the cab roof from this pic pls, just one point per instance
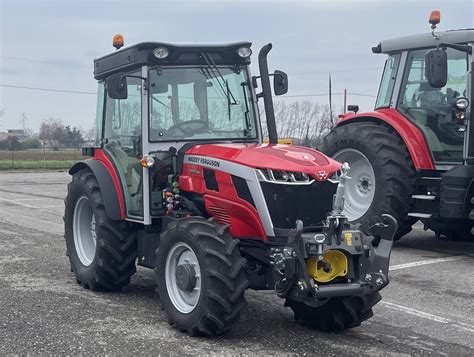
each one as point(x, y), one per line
point(141, 54)
point(424, 40)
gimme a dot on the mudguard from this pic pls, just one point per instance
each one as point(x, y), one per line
point(112, 201)
point(411, 135)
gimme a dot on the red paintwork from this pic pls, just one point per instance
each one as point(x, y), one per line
point(226, 206)
point(243, 219)
point(410, 134)
point(277, 157)
point(100, 155)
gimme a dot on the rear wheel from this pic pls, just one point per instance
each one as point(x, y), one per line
point(200, 275)
point(102, 252)
point(382, 172)
point(336, 314)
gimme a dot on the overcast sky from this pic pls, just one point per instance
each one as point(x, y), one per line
point(51, 44)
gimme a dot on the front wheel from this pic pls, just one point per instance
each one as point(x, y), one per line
point(382, 173)
point(337, 314)
point(200, 275)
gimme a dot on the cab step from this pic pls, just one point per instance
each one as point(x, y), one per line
point(419, 215)
point(423, 197)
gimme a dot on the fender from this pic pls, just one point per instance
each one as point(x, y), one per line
point(110, 188)
point(411, 135)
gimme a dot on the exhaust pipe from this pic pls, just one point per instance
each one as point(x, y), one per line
point(267, 94)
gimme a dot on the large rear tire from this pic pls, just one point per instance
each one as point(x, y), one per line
point(383, 175)
point(336, 314)
point(102, 252)
point(201, 277)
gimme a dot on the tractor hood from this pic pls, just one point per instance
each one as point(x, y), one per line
point(276, 157)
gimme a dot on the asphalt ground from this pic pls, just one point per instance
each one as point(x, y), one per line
point(426, 309)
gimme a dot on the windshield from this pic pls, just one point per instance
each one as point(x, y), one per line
point(200, 103)
point(432, 108)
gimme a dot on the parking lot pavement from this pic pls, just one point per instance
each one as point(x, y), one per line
point(426, 309)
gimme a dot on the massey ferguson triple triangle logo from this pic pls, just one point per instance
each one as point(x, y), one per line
point(322, 175)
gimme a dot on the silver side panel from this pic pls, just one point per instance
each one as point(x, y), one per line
point(145, 150)
point(471, 106)
point(247, 173)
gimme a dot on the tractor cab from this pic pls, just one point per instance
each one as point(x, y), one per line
point(155, 98)
point(408, 87)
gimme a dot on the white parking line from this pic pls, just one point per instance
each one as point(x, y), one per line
point(425, 315)
point(426, 262)
point(17, 203)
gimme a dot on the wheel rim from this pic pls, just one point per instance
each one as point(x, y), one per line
point(360, 190)
point(183, 277)
point(85, 237)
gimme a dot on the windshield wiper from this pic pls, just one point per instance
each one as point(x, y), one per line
point(224, 85)
point(248, 129)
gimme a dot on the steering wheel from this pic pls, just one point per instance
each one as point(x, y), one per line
point(202, 125)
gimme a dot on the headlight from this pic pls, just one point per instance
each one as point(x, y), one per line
point(281, 176)
point(161, 52)
point(244, 52)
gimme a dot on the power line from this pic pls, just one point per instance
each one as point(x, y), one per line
point(94, 93)
point(47, 89)
point(336, 71)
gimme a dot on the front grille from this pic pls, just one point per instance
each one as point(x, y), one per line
point(288, 203)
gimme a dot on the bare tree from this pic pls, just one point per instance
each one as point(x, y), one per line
point(305, 122)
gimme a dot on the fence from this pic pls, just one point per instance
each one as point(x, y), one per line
point(39, 159)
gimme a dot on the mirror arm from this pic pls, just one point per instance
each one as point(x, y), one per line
point(136, 76)
point(462, 48)
point(254, 80)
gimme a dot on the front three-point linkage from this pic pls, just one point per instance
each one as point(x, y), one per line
point(289, 262)
point(336, 221)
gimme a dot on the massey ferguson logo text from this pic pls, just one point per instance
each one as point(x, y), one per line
point(203, 161)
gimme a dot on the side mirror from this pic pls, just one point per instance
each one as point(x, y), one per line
point(280, 82)
point(436, 70)
point(353, 108)
point(116, 85)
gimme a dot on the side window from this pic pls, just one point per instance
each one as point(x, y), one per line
point(123, 117)
point(388, 81)
point(416, 91)
point(431, 109)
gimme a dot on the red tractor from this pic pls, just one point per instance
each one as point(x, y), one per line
point(413, 156)
point(181, 182)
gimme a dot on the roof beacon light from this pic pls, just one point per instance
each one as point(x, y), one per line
point(244, 52)
point(161, 52)
point(435, 18)
point(117, 41)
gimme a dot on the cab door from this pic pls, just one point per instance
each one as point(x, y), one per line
point(123, 143)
